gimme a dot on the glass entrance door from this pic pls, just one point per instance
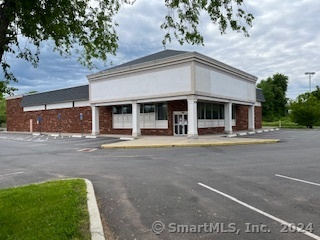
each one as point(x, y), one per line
point(180, 123)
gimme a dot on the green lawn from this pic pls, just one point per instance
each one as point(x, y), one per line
point(52, 210)
point(284, 123)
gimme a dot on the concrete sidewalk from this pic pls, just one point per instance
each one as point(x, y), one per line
point(203, 140)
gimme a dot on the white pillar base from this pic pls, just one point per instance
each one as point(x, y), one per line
point(193, 135)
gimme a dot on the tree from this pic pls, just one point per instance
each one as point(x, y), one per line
point(305, 110)
point(268, 106)
point(88, 26)
point(274, 90)
point(316, 93)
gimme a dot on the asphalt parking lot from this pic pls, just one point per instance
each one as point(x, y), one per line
point(265, 191)
point(76, 142)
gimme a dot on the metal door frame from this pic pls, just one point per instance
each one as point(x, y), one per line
point(183, 126)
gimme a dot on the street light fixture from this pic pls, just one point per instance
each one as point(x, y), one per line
point(309, 73)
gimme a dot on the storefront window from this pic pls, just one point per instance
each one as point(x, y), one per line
point(216, 111)
point(221, 112)
point(117, 110)
point(127, 109)
point(148, 108)
point(233, 111)
point(210, 111)
point(162, 111)
point(122, 109)
point(201, 110)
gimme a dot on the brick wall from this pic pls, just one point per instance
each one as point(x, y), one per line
point(241, 118)
point(212, 130)
point(258, 117)
point(19, 121)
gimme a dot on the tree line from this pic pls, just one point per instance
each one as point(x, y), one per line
point(304, 110)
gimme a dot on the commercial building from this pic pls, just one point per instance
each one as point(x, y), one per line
point(166, 93)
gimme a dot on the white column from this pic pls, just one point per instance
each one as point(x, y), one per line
point(251, 117)
point(192, 119)
point(95, 120)
point(136, 119)
point(228, 118)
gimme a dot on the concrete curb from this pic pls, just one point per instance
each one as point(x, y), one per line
point(243, 134)
point(206, 144)
point(91, 137)
point(252, 132)
point(96, 228)
point(77, 136)
point(127, 138)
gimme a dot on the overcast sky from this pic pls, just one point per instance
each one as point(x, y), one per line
point(285, 38)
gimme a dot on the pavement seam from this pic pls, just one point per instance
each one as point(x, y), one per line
point(96, 228)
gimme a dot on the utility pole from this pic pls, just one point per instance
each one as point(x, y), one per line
point(309, 73)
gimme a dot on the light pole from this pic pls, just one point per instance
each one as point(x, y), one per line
point(309, 73)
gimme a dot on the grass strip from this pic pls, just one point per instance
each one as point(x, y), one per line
point(51, 210)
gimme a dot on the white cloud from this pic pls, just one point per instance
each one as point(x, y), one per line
point(284, 38)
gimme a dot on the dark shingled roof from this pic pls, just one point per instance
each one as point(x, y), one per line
point(80, 93)
point(259, 95)
point(149, 58)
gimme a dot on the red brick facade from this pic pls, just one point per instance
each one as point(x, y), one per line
point(242, 117)
point(258, 117)
point(70, 122)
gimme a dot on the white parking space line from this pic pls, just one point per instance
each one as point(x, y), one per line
point(8, 174)
point(291, 226)
point(87, 150)
point(27, 138)
point(298, 180)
